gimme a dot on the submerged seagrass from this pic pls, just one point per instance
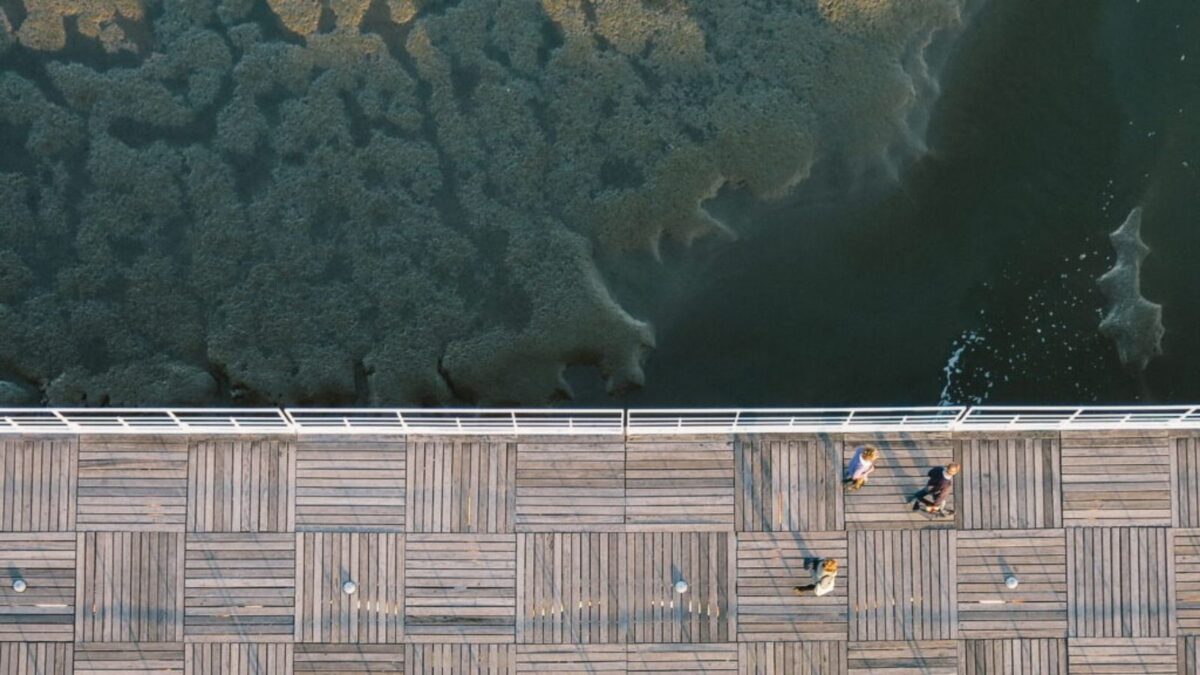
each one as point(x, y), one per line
point(397, 200)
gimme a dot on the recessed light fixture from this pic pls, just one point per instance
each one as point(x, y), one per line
point(19, 585)
point(681, 586)
point(349, 587)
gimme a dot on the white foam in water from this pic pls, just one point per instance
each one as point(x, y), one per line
point(1132, 322)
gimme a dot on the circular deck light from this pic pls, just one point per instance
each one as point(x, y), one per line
point(681, 586)
point(1011, 582)
point(349, 588)
point(19, 585)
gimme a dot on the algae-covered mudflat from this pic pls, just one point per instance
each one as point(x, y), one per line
point(489, 201)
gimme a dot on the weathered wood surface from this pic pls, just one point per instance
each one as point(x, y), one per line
point(1046, 656)
point(559, 554)
point(987, 608)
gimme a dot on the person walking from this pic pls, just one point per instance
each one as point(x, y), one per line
point(932, 498)
point(861, 466)
point(823, 574)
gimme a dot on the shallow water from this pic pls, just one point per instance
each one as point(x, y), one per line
point(972, 279)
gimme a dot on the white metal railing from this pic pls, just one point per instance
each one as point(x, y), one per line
point(457, 421)
point(593, 421)
point(770, 420)
point(143, 420)
point(999, 418)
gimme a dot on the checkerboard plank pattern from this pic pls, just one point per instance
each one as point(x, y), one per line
point(1187, 581)
point(1036, 608)
point(788, 483)
point(241, 485)
point(902, 469)
point(325, 561)
point(1009, 481)
point(1116, 478)
point(926, 657)
point(1119, 581)
point(132, 483)
point(769, 566)
point(119, 658)
point(461, 485)
point(36, 658)
point(37, 483)
point(903, 585)
point(679, 484)
point(349, 658)
point(794, 658)
point(219, 658)
point(241, 587)
point(350, 484)
point(46, 562)
point(573, 484)
point(1045, 656)
point(567, 587)
point(129, 587)
point(460, 588)
point(1151, 656)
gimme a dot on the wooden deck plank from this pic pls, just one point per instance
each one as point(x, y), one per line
point(36, 484)
point(240, 587)
point(887, 564)
point(132, 483)
point(129, 657)
point(1036, 608)
point(570, 484)
point(1122, 655)
point(36, 658)
point(679, 485)
point(824, 657)
point(461, 485)
point(1186, 450)
point(240, 484)
point(571, 658)
point(787, 482)
point(45, 612)
point(938, 657)
point(350, 484)
point(682, 658)
point(460, 588)
point(349, 658)
point(901, 471)
point(1117, 591)
point(769, 565)
point(468, 659)
point(1008, 481)
point(1187, 581)
point(120, 564)
point(1116, 478)
point(1046, 656)
point(219, 658)
point(327, 560)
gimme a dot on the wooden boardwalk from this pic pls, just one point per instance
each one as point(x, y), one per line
point(542, 554)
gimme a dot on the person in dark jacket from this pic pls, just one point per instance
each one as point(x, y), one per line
point(933, 496)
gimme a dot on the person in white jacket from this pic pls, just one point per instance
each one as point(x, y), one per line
point(823, 579)
point(860, 467)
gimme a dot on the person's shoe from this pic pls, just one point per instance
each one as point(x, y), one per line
point(916, 506)
point(797, 590)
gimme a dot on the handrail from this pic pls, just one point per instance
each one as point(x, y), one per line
point(615, 421)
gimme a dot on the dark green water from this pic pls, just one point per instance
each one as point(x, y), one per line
point(973, 278)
